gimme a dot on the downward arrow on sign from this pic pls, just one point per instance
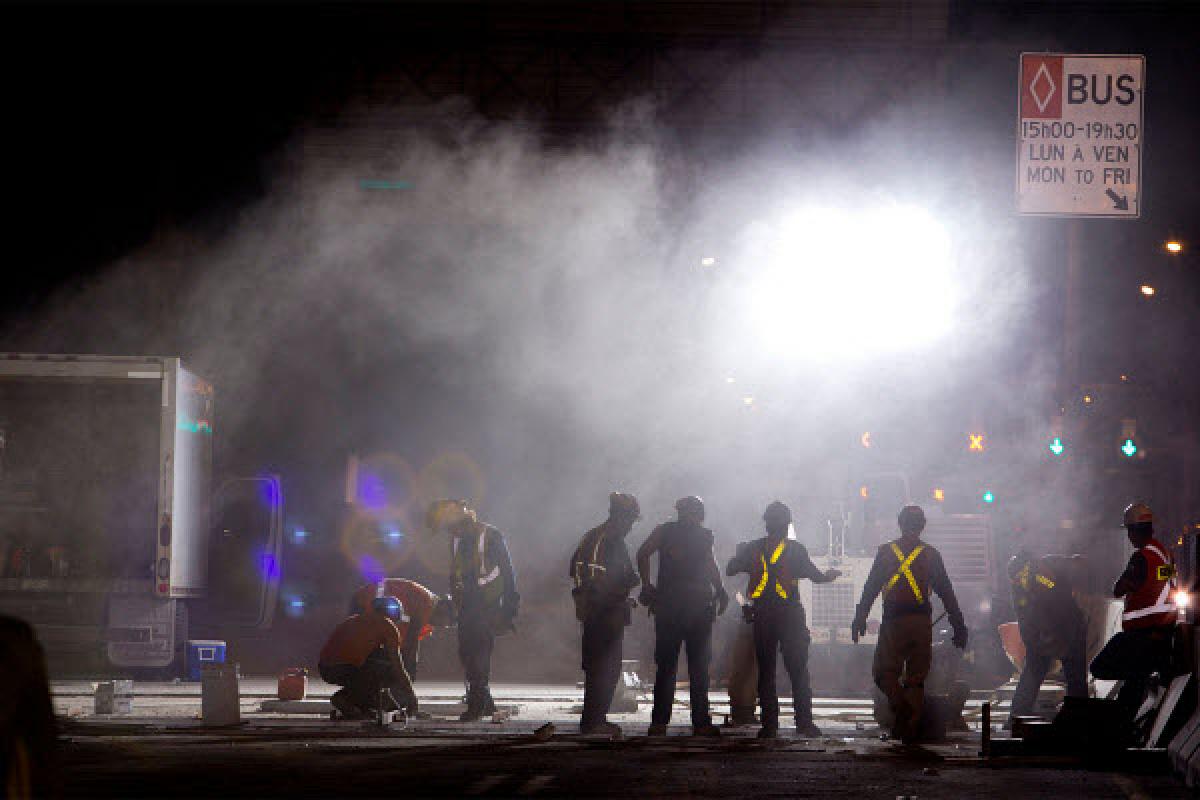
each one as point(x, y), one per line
point(1120, 201)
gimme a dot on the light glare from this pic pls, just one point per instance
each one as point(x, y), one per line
point(841, 283)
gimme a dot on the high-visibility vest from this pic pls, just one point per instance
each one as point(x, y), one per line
point(768, 574)
point(1149, 605)
point(469, 565)
point(588, 567)
point(1028, 581)
point(905, 569)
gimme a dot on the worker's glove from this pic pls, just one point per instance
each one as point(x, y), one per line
point(858, 626)
point(648, 596)
point(722, 601)
point(959, 639)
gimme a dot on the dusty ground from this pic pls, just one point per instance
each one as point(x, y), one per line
point(162, 749)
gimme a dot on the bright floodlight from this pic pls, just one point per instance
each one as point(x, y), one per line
point(1174, 246)
point(836, 282)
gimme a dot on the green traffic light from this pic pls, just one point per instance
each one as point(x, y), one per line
point(1129, 448)
point(988, 497)
point(1056, 446)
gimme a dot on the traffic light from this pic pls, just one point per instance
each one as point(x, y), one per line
point(1056, 445)
point(975, 442)
point(939, 495)
point(988, 497)
point(1129, 447)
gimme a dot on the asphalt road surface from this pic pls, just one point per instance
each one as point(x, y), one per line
point(161, 749)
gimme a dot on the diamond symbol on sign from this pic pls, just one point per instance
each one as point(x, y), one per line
point(1042, 74)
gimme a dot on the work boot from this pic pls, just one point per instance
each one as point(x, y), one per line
point(739, 715)
point(807, 729)
point(768, 732)
point(609, 729)
point(657, 729)
point(344, 706)
point(708, 731)
point(472, 714)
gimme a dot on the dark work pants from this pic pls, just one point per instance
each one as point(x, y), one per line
point(1132, 656)
point(361, 684)
point(693, 631)
point(603, 636)
point(1037, 664)
point(782, 627)
point(475, 643)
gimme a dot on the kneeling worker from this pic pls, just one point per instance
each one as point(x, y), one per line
point(423, 611)
point(905, 570)
point(363, 656)
point(776, 566)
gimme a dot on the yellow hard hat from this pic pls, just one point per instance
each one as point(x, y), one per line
point(445, 515)
point(1138, 514)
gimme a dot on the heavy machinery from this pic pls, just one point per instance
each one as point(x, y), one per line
point(112, 539)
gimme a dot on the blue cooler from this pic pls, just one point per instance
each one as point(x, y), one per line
point(201, 652)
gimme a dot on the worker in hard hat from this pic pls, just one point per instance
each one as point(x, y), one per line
point(362, 655)
point(685, 600)
point(776, 565)
point(906, 571)
point(423, 612)
point(603, 576)
point(483, 591)
point(1143, 645)
point(1051, 623)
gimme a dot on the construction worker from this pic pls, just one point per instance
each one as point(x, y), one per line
point(685, 602)
point(1143, 645)
point(1051, 623)
point(423, 612)
point(604, 576)
point(483, 591)
point(362, 655)
point(776, 565)
point(905, 570)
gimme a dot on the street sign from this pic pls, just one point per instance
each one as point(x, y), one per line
point(1079, 135)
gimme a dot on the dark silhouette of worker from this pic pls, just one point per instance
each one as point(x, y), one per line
point(685, 601)
point(28, 736)
point(1052, 625)
point(906, 570)
point(776, 564)
point(603, 577)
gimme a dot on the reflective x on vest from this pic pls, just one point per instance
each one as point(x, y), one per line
point(485, 576)
point(1159, 569)
point(767, 574)
point(904, 569)
point(586, 570)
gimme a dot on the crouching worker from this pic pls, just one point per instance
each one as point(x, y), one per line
point(421, 613)
point(363, 657)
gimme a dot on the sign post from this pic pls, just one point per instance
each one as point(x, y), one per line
point(1079, 135)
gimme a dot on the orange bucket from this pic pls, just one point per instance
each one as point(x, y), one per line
point(293, 683)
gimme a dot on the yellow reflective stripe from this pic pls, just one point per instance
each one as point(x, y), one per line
point(779, 590)
point(778, 551)
point(1044, 581)
point(761, 584)
point(904, 570)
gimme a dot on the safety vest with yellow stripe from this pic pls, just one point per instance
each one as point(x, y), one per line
point(904, 565)
point(471, 575)
point(783, 587)
point(1028, 581)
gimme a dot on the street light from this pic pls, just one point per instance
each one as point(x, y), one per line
point(1174, 246)
point(1148, 290)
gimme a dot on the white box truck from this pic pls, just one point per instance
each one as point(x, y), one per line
point(112, 539)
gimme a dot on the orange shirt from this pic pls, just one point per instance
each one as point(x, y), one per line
point(359, 636)
point(417, 600)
